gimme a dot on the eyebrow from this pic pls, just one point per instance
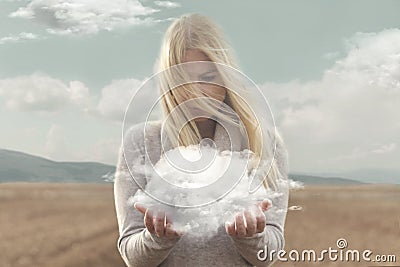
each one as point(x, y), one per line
point(207, 72)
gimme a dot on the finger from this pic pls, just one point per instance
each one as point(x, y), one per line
point(240, 227)
point(251, 223)
point(148, 221)
point(169, 231)
point(265, 204)
point(140, 207)
point(260, 220)
point(168, 218)
point(230, 228)
point(159, 222)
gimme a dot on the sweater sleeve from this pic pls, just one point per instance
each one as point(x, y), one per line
point(272, 238)
point(137, 246)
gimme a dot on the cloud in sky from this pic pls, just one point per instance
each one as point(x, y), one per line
point(40, 92)
point(56, 146)
point(22, 36)
point(349, 118)
point(75, 17)
point(167, 4)
point(360, 153)
point(116, 97)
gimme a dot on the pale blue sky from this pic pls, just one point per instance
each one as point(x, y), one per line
point(289, 48)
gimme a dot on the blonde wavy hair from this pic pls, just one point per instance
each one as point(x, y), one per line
point(195, 31)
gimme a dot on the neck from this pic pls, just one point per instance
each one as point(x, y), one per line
point(206, 128)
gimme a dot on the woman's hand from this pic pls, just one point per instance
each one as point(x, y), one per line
point(157, 222)
point(246, 223)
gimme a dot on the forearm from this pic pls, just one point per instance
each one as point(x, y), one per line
point(271, 238)
point(137, 246)
point(145, 249)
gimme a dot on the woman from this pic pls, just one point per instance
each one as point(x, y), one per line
point(148, 238)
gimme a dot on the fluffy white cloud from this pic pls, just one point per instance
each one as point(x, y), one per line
point(40, 92)
point(361, 153)
point(23, 36)
point(116, 97)
point(349, 118)
point(201, 175)
point(167, 4)
point(75, 17)
point(56, 146)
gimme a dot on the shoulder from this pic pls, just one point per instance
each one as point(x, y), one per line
point(144, 139)
point(137, 133)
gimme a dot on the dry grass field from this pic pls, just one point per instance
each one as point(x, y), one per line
point(74, 224)
point(367, 216)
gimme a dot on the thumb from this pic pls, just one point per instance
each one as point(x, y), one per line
point(140, 207)
point(265, 204)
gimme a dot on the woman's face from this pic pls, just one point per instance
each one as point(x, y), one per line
point(206, 73)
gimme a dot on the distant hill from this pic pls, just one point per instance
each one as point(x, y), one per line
point(367, 175)
point(18, 166)
point(317, 180)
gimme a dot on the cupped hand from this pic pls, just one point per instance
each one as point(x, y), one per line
point(247, 223)
point(157, 222)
